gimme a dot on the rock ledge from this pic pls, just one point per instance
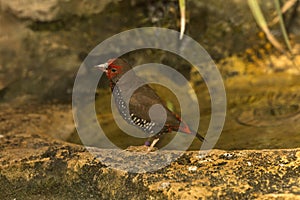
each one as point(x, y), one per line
point(33, 166)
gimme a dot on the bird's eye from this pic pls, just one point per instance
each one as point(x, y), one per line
point(113, 70)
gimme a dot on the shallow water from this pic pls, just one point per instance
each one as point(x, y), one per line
point(262, 112)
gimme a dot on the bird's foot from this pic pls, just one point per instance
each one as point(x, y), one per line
point(142, 148)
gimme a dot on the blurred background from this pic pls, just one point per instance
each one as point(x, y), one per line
point(43, 43)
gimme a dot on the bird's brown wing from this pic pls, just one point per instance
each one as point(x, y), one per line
point(143, 99)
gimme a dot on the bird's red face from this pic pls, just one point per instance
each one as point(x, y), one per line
point(113, 69)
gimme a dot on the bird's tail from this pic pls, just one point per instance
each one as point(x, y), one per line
point(200, 137)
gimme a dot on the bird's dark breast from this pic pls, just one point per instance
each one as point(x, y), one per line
point(137, 114)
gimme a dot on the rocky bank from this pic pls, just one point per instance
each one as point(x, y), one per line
point(33, 165)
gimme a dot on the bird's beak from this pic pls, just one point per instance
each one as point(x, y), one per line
point(102, 67)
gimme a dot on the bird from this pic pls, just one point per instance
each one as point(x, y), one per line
point(140, 102)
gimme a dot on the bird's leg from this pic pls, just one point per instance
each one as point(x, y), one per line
point(152, 145)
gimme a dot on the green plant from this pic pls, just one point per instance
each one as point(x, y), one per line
point(260, 20)
point(182, 18)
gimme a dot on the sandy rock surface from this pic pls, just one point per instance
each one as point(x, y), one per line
point(35, 166)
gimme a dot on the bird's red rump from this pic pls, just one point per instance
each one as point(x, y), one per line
point(184, 128)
